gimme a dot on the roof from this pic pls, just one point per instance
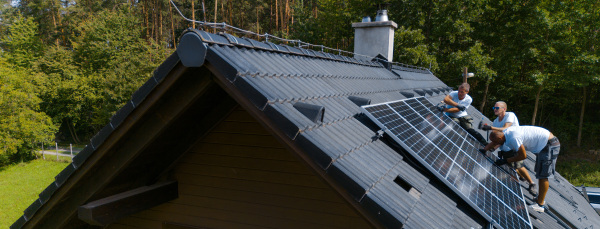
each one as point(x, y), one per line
point(311, 101)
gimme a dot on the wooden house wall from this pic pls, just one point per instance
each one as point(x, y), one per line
point(240, 176)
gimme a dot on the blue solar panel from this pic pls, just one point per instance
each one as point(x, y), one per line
point(451, 154)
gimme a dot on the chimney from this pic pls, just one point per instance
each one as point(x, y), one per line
point(374, 37)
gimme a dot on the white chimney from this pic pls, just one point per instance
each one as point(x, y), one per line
point(373, 38)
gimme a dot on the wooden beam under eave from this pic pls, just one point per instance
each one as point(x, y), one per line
point(110, 209)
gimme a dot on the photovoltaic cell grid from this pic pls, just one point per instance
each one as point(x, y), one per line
point(451, 153)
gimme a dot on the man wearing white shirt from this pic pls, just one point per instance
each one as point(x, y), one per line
point(503, 121)
point(457, 102)
point(537, 140)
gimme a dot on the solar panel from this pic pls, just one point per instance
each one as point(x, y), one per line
point(450, 153)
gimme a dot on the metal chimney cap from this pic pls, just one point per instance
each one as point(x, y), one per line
point(381, 15)
point(366, 19)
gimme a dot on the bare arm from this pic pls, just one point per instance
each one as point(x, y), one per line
point(506, 125)
point(521, 155)
point(491, 146)
point(448, 100)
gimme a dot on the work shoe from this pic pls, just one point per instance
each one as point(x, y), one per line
point(533, 189)
point(536, 207)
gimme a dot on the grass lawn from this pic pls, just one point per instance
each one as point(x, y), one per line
point(21, 184)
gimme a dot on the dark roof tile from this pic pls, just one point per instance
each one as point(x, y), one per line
point(251, 90)
point(278, 48)
point(64, 174)
point(163, 69)
point(143, 91)
point(48, 192)
point(215, 38)
point(82, 156)
point(388, 217)
point(307, 143)
point(30, 211)
point(259, 45)
point(355, 186)
point(291, 120)
point(19, 223)
point(121, 115)
point(101, 136)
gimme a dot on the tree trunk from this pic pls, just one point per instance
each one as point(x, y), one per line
point(72, 132)
point(172, 27)
point(145, 10)
point(537, 101)
point(581, 117)
point(276, 16)
point(203, 11)
point(216, 4)
point(485, 92)
point(315, 8)
point(223, 15)
point(154, 25)
point(54, 13)
point(193, 15)
point(160, 22)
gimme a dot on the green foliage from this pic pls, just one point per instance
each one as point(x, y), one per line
point(22, 45)
point(108, 62)
point(22, 123)
point(410, 48)
point(20, 185)
point(580, 172)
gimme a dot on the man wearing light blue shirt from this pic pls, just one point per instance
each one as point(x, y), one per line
point(457, 103)
point(504, 120)
point(537, 140)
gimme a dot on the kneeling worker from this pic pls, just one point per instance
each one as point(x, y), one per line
point(457, 103)
point(537, 140)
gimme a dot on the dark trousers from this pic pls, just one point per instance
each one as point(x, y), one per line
point(466, 122)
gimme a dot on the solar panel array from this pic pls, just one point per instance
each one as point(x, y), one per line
point(452, 155)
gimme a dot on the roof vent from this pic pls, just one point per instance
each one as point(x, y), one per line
point(381, 15)
point(313, 112)
point(407, 94)
point(420, 92)
point(359, 100)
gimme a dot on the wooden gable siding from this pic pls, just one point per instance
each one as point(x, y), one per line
point(239, 176)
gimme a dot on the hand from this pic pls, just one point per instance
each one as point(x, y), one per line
point(483, 151)
point(461, 107)
point(500, 162)
point(441, 108)
point(486, 127)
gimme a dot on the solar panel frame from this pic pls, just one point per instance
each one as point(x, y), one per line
point(422, 132)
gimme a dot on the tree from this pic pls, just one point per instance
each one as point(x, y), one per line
point(22, 124)
point(113, 61)
point(22, 44)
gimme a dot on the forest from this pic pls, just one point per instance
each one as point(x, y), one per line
point(67, 65)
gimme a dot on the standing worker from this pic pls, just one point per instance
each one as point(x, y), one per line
point(457, 103)
point(537, 140)
point(503, 121)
